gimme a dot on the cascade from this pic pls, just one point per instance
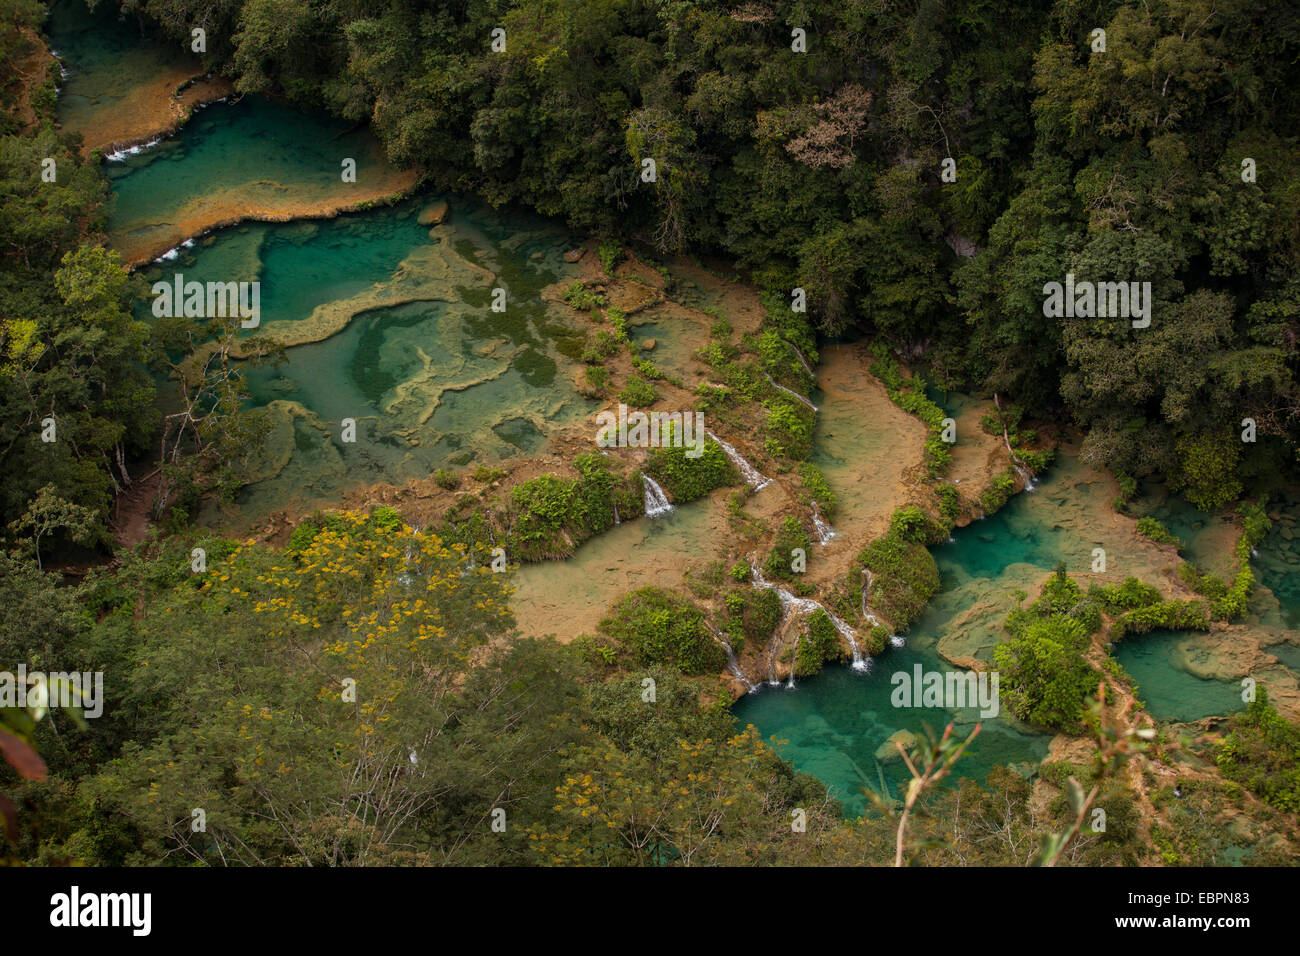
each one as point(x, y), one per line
point(747, 471)
point(656, 502)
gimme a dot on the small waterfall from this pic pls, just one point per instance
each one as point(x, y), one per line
point(792, 394)
point(802, 361)
point(807, 606)
point(1024, 473)
point(866, 605)
point(616, 521)
point(656, 502)
point(747, 471)
point(824, 530)
point(794, 659)
point(732, 664)
point(120, 155)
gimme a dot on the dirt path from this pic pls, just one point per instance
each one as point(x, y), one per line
point(132, 510)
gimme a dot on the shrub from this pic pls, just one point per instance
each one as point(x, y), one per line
point(1165, 616)
point(1003, 487)
point(604, 345)
point(581, 298)
point(1205, 584)
point(446, 478)
point(910, 523)
point(647, 368)
point(819, 643)
point(790, 536)
point(638, 391)
point(1262, 753)
point(1157, 532)
point(1133, 593)
point(386, 519)
point(905, 578)
point(1207, 469)
point(817, 489)
point(949, 502)
point(1044, 677)
point(618, 320)
point(655, 627)
point(752, 614)
point(789, 429)
point(686, 478)
point(610, 252)
point(597, 377)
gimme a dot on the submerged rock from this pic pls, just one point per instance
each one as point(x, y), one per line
point(573, 255)
point(434, 214)
point(888, 753)
point(648, 345)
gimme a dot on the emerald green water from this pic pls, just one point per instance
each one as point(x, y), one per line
point(430, 384)
point(833, 723)
point(1169, 691)
point(104, 56)
point(249, 153)
point(431, 375)
point(1278, 564)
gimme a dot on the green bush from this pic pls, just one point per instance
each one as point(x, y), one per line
point(1003, 487)
point(752, 615)
point(1207, 469)
point(647, 368)
point(638, 391)
point(1261, 751)
point(686, 478)
point(604, 345)
point(446, 478)
point(1132, 593)
point(550, 515)
point(819, 643)
point(910, 523)
point(655, 627)
point(582, 298)
point(618, 319)
point(1044, 678)
point(304, 534)
point(597, 377)
point(1157, 532)
point(789, 536)
point(1206, 584)
point(905, 578)
point(817, 489)
point(386, 519)
point(610, 252)
point(949, 502)
point(1166, 616)
point(788, 428)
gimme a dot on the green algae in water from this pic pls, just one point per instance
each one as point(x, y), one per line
point(1169, 691)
